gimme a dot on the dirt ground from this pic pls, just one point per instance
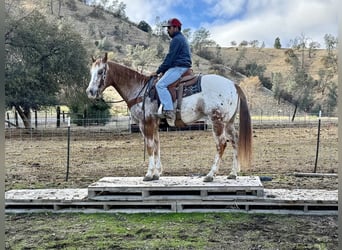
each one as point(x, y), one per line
point(278, 153)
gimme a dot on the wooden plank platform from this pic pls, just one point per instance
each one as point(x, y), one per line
point(173, 194)
point(276, 201)
point(175, 188)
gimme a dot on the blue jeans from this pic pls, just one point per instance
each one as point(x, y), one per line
point(170, 76)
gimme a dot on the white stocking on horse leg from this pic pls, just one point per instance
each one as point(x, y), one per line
point(150, 169)
point(158, 165)
point(151, 160)
point(210, 176)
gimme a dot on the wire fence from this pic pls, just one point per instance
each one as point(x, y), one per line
point(117, 123)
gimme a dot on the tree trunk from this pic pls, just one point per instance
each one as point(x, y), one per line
point(59, 8)
point(25, 115)
point(294, 113)
point(51, 6)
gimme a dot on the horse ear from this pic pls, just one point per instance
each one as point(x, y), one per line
point(93, 59)
point(104, 60)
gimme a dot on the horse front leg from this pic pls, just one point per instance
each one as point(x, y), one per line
point(151, 159)
point(151, 137)
point(158, 166)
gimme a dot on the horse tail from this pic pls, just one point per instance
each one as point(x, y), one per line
point(245, 132)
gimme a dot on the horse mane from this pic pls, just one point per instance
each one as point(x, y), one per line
point(128, 73)
point(127, 82)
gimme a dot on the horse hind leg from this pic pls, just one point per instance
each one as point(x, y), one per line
point(221, 143)
point(233, 138)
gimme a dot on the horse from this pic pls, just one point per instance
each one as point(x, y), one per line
point(219, 100)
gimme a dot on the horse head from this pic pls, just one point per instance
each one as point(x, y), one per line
point(97, 77)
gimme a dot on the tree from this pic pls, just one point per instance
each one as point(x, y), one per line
point(201, 40)
point(141, 56)
point(254, 43)
point(277, 44)
point(330, 42)
point(115, 7)
point(187, 33)
point(43, 62)
point(243, 43)
point(300, 91)
point(332, 97)
point(85, 112)
point(236, 65)
point(144, 26)
point(253, 69)
point(312, 47)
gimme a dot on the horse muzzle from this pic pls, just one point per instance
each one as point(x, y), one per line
point(93, 94)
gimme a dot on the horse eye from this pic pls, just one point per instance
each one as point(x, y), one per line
point(100, 71)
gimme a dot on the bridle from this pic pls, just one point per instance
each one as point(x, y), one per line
point(142, 94)
point(103, 73)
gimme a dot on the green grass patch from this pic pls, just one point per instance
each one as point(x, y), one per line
point(168, 231)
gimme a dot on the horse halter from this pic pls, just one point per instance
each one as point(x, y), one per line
point(103, 73)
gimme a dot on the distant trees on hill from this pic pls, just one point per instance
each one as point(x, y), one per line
point(299, 87)
point(277, 44)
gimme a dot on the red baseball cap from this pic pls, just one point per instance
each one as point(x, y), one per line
point(173, 22)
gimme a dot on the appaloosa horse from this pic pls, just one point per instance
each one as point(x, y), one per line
point(219, 100)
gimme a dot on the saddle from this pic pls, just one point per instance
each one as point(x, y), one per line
point(187, 85)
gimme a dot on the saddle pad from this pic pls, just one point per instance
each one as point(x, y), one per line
point(194, 88)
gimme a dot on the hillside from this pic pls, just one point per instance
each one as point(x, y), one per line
point(96, 25)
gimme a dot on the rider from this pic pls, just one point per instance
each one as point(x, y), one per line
point(175, 64)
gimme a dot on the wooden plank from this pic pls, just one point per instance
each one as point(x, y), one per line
point(214, 199)
point(127, 207)
point(312, 195)
point(68, 194)
point(315, 175)
point(174, 187)
point(128, 183)
point(217, 206)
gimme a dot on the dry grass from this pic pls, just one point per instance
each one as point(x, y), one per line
point(277, 152)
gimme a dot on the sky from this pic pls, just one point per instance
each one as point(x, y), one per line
point(239, 20)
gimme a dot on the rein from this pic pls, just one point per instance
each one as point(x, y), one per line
point(141, 98)
point(115, 101)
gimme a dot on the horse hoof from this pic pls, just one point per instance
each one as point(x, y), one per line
point(231, 177)
point(208, 179)
point(148, 178)
point(155, 177)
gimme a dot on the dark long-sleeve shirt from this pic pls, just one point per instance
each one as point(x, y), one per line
point(179, 54)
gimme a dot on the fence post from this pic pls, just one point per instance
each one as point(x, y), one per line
point(16, 118)
point(318, 135)
point(58, 116)
point(35, 119)
point(8, 119)
point(68, 151)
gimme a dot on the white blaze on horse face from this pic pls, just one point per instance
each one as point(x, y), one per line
point(93, 90)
